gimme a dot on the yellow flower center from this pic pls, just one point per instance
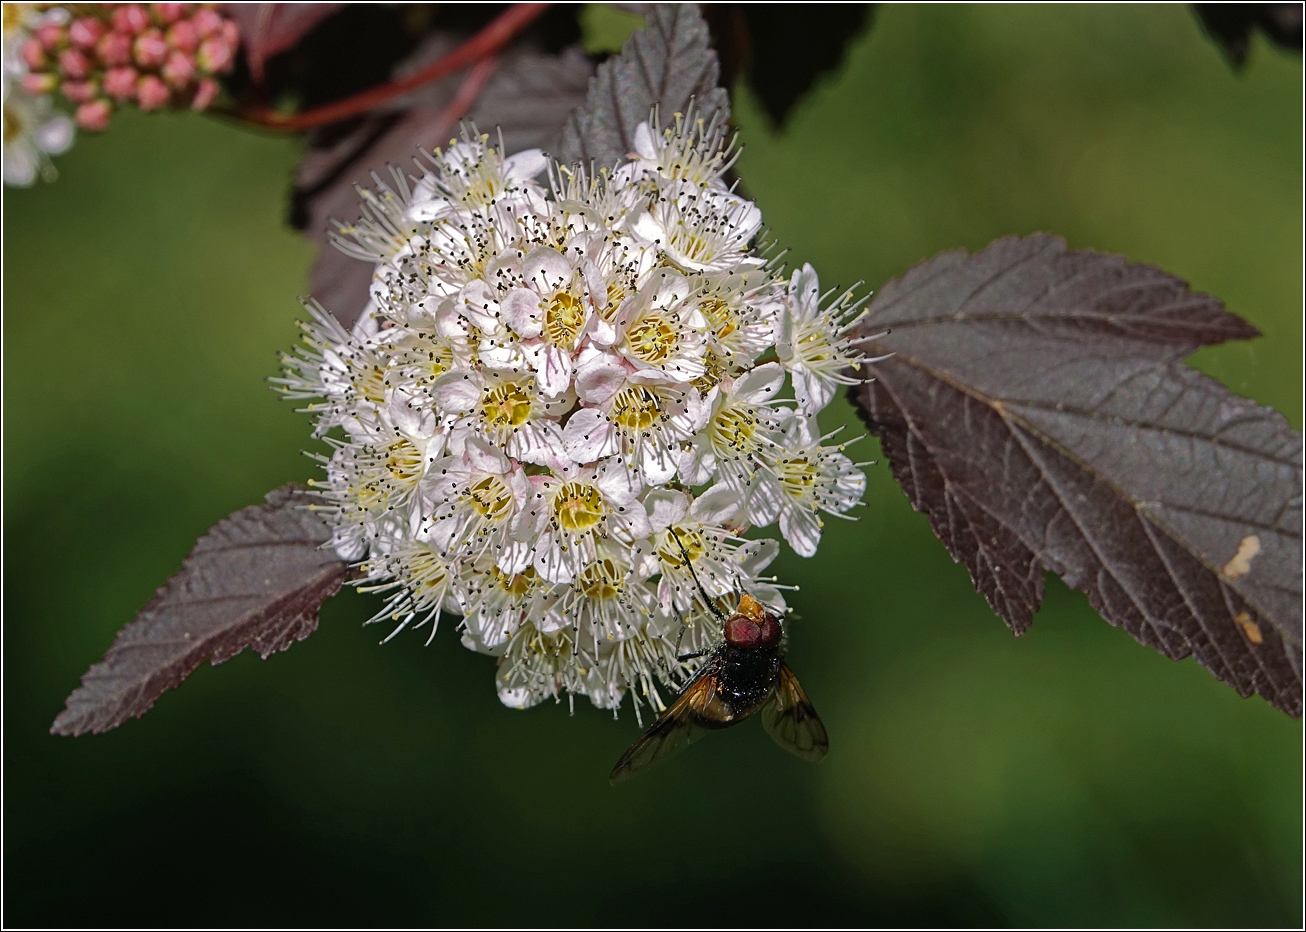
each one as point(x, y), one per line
point(720, 315)
point(670, 551)
point(426, 571)
point(404, 460)
point(370, 384)
point(491, 497)
point(563, 319)
point(734, 430)
point(653, 340)
point(797, 475)
point(636, 408)
point(517, 585)
point(13, 125)
point(577, 506)
point(506, 405)
point(601, 580)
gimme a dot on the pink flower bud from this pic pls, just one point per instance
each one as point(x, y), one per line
point(150, 49)
point(178, 69)
point(152, 93)
point(115, 49)
point(170, 12)
point(131, 18)
point(74, 63)
point(80, 92)
point(184, 36)
point(37, 84)
point(34, 55)
point(204, 94)
point(86, 32)
point(52, 36)
point(120, 83)
point(94, 115)
point(215, 56)
point(231, 32)
point(207, 22)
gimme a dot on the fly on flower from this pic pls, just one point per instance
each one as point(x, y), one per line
point(745, 673)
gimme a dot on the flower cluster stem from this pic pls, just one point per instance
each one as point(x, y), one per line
point(479, 50)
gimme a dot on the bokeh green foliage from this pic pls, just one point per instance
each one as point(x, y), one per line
point(1068, 777)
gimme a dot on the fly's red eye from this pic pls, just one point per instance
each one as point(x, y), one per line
point(743, 632)
point(770, 632)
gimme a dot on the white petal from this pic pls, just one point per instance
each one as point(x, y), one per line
point(538, 442)
point(553, 374)
point(760, 384)
point(717, 505)
point(765, 497)
point(522, 312)
point(589, 436)
point(524, 165)
point(481, 456)
point(665, 507)
point(697, 464)
point(457, 390)
point(657, 462)
point(802, 529)
point(547, 269)
point(804, 292)
point(599, 377)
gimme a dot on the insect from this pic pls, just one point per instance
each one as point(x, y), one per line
point(745, 673)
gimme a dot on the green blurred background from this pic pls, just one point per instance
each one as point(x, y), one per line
point(1071, 777)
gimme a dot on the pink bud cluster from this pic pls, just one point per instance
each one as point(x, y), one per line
point(115, 54)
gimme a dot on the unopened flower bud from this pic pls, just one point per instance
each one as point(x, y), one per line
point(150, 49)
point(115, 48)
point(178, 69)
point(86, 31)
point(205, 94)
point(170, 12)
point(207, 22)
point(184, 36)
point(52, 36)
point(215, 56)
point(34, 55)
point(80, 92)
point(120, 82)
point(231, 32)
point(131, 18)
point(94, 116)
point(37, 84)
point(74, 63)
point(152, 93)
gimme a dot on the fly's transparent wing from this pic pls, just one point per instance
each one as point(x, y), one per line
point(670, 734)
point(791, 721)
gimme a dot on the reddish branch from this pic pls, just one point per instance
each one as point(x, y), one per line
point(480, 50)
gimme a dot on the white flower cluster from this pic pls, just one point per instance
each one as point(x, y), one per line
point(557, 395)
point(34, 129)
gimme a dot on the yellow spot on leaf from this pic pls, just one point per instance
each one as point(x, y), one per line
point(1250, 628)
point(1241, 563)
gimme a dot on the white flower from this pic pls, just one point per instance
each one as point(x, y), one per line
point(33, 131)
point(813, 344)
point(564, 407)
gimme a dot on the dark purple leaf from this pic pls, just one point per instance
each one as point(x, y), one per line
point(667, 64)
point(783, 49)
point(527, 100)
point(256, 579)
point(1230, 26)
point(1037, 409)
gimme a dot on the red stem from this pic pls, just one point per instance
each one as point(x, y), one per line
point(485, 43)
